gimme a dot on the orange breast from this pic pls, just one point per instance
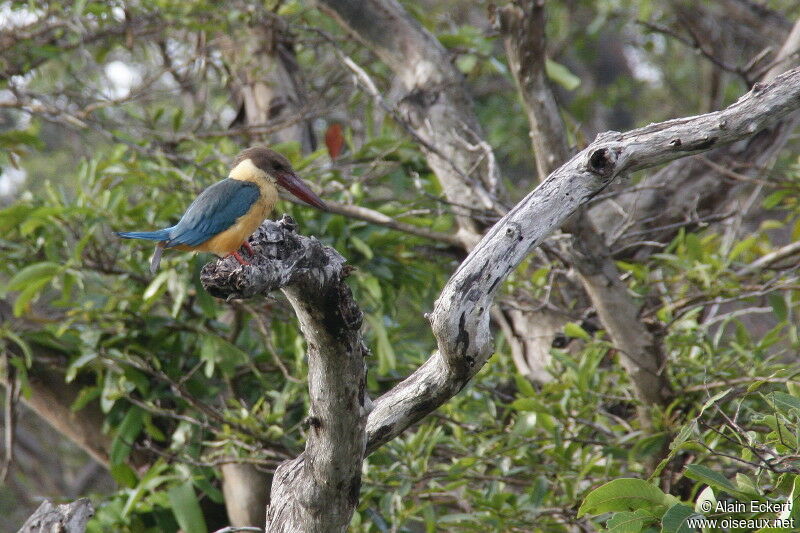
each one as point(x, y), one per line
point(231, 239)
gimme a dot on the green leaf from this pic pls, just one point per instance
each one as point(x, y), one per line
point(123, 474)
point(29, 293)
point(712, 479)
point(150, 481)
point(27, 354)
point(86, 395)
point(778, 304)
point(711, 401)
point(705, 500)
point(362, 247)
point(747, 485)
point(372, 285)
point(31, 274)
point(78, 364)
point(694, 248)
point(624, 494)
point(186, 508)
point(177, 119)
point(155, 287)
point(571, 329)
point(466, 62)
point(387, 360)
point(561, 75)
point(783, 402)
point(629, 522)
point(794, 510)
point(126, 435)
point(528, 404)
point(524, 385)
point(775, 198)
point(676, 517)
point(219, 353)
point(744, 246)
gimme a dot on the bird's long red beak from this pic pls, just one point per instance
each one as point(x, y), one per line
point(296, 186)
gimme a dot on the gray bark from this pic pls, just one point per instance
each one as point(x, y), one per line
point(690, 190)
point(67, 518)
point(523, 27)
point(460, 319)
point(436, 105)
point(51, 398)
point(439, 112)
point(318, 490)
point(265, 79)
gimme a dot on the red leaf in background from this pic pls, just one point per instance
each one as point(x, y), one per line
point(334, 140)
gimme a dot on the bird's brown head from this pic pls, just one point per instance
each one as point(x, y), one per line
point(278, 168)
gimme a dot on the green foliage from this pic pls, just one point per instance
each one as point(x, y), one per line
point(200, 381)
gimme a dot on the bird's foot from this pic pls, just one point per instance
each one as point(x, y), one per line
point(246, 246)
point(239, 258)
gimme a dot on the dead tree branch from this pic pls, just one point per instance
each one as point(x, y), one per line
point(326, 477)
point(690, 187)
point(436, 105)
point(460, 319)
point(67, 518)
point(522, 25)
point(318, 490)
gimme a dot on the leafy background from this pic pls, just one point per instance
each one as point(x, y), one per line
point(110, 140)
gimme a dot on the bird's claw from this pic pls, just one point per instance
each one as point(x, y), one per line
point(240, 258)
point(246, 246)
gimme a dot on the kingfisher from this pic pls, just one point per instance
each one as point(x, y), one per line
point(223, 216)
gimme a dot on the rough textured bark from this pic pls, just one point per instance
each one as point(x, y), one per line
point(522, 26)
point(318, 490)
point(640, 352)
point(67, 518)
point(441, 114)
point(460, 319)
point(530, 333)
point(265, 80)
point(436, 105)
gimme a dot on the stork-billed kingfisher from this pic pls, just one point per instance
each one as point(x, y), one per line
point(223, 216)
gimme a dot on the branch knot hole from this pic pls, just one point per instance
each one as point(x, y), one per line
point(312, 422)
point(602, 162)
point(513, 231)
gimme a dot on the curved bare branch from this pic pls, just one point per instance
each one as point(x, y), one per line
point(460, 319)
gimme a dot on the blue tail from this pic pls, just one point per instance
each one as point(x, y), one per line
point(159, 235)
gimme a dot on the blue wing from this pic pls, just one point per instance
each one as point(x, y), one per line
point(214, 211)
